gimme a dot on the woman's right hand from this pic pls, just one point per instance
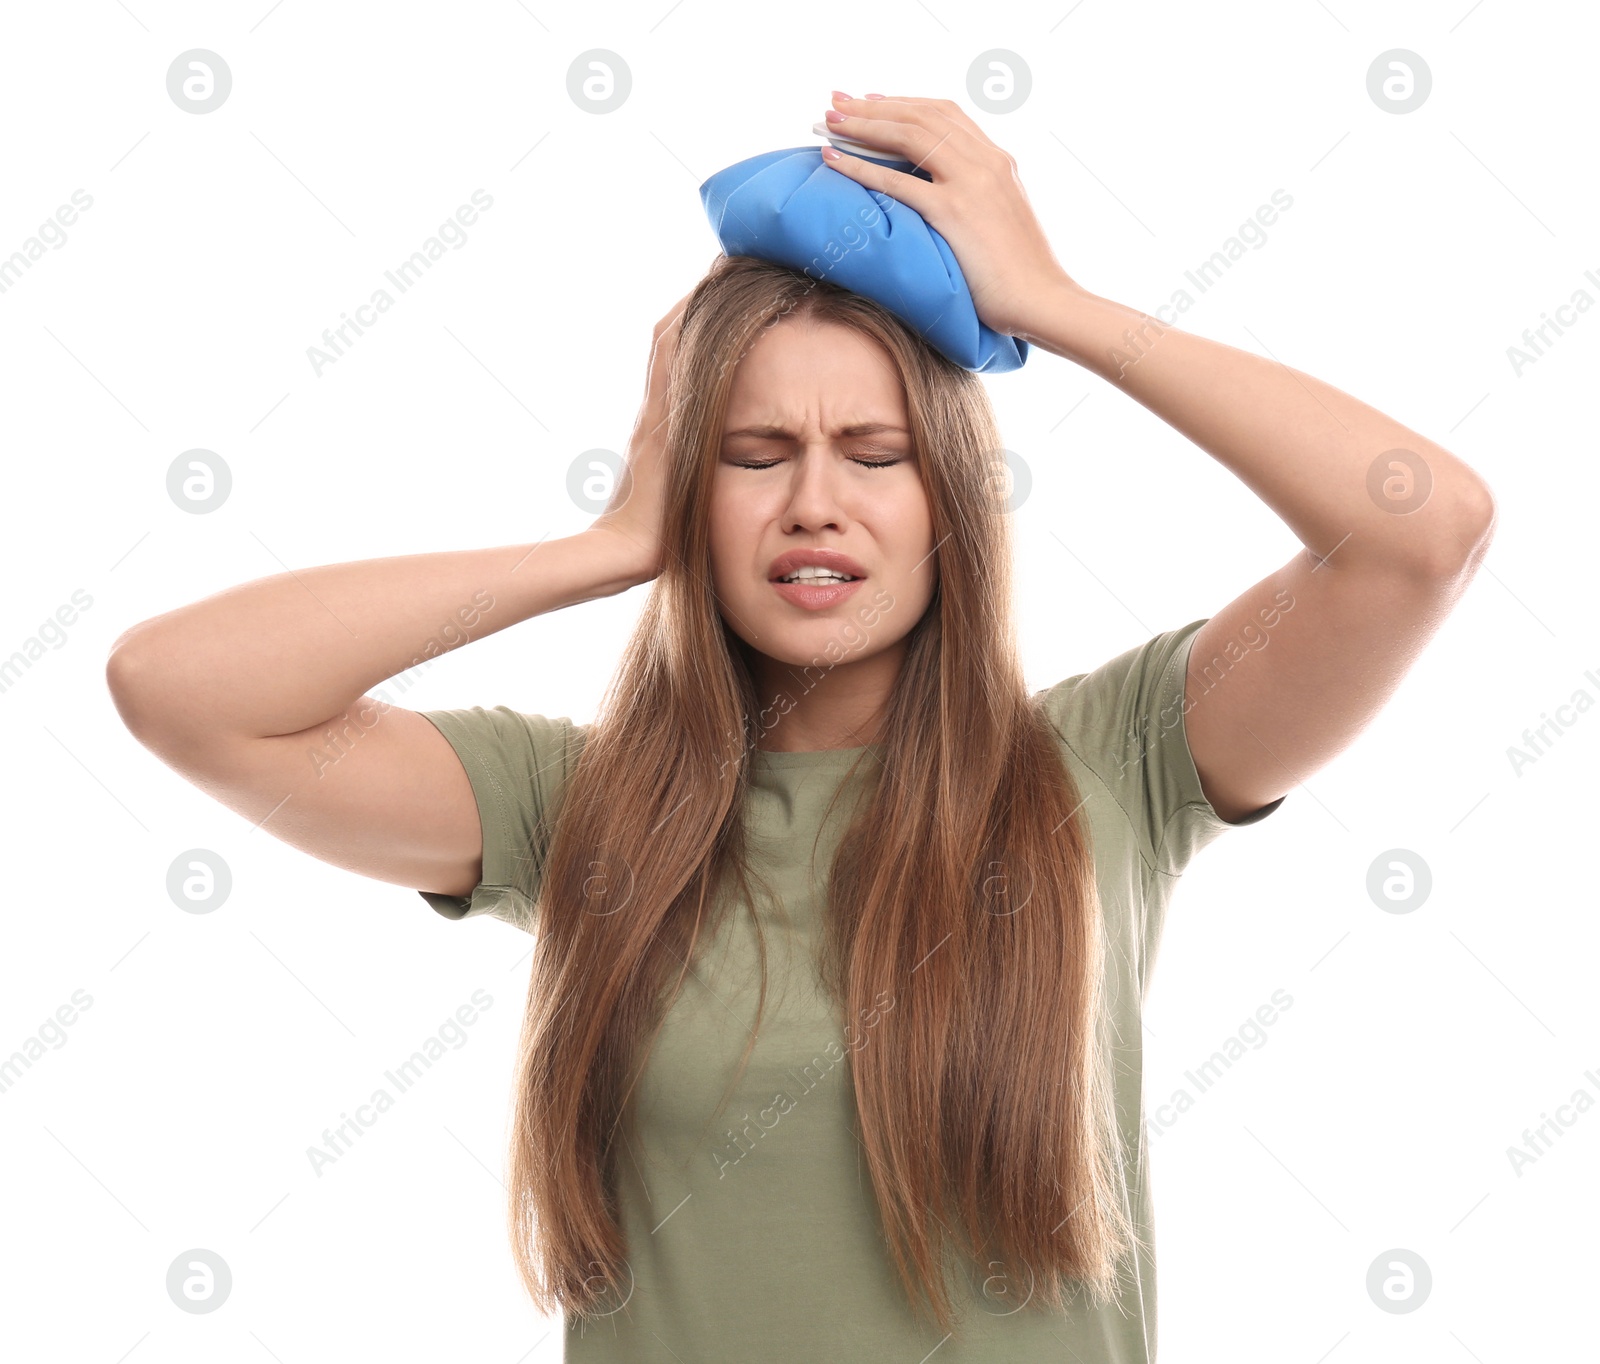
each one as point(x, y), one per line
point(637, 506)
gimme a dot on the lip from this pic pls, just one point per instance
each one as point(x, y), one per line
point(816, 598)
point(820, 558)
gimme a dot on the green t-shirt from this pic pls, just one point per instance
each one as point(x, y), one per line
point(757, 1237)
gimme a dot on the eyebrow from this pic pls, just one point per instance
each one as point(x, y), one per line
point(783, 433)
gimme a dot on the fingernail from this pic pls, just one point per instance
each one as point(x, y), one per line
point(874, 96)
point(828, 154)
point(840, 94)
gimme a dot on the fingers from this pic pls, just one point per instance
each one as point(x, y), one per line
point(908, 189)
point(912, 141)
point(931, 110)
point(922, 131)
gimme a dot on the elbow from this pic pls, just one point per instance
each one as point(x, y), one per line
point(1487, 513)
point(131, 687)
point(121, 671)
point(1457, 551)
point(1475, 527)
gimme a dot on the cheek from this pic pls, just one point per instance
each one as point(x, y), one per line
point(913, 523)
point(916, 546)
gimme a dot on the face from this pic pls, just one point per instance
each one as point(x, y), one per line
point(816, 454)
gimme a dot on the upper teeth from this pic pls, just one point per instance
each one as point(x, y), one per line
point(812, 572)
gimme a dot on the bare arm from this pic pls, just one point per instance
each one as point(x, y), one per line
point(1394, 528)
point(258, 694)
point(286, 653)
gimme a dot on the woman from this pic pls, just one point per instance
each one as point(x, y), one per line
point(931, 1138)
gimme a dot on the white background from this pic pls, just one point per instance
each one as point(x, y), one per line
point(178, 314)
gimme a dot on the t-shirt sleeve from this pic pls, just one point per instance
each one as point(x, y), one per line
point(518, 765)
point(1125, 723)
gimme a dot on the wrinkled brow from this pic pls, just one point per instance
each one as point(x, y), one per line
point(783, 433)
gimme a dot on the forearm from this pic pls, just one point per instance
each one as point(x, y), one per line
point(1317, 456)
point(286, 652)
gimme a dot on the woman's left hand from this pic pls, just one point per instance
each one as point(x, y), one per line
point(976, 202)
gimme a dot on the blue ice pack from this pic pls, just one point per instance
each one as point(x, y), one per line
point(791, 207)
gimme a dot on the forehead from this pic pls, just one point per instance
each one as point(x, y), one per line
point(819, 376)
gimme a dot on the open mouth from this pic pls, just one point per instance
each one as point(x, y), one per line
point(815, 592)
point(816, 575)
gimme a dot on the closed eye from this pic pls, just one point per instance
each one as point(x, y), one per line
point(866, 463)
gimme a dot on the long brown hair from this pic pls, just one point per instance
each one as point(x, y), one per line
point(964, 886)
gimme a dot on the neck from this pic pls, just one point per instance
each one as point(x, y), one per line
point(810, 707)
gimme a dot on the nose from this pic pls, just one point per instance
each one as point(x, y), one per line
point(814, 491)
